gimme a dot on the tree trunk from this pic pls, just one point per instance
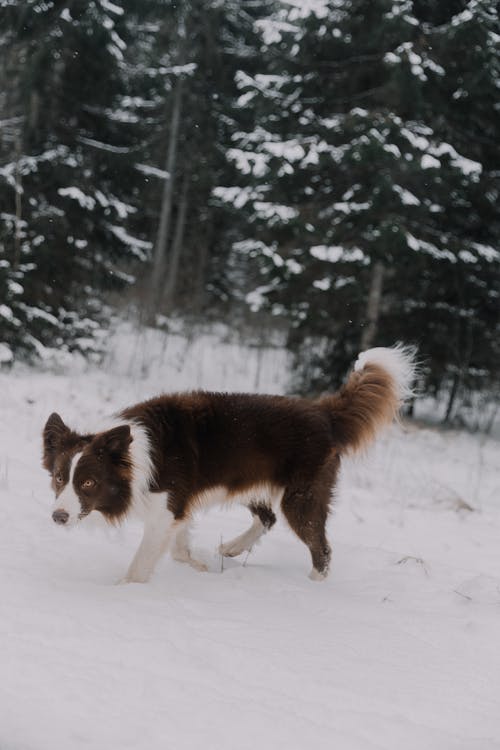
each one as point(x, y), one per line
point(373, 306)
point(176, 248)
point(160, 253)
point(200, 286)
point(19, 208)
point(457, 378)
point(463, 362)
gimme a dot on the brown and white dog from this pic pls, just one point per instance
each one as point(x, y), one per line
point(169, 456)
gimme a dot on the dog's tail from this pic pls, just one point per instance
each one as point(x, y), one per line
point(372, 396)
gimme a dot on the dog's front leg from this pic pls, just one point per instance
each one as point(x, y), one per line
point(158, 529)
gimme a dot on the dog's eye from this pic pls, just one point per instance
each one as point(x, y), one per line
point(58, 478)
point(88, 483)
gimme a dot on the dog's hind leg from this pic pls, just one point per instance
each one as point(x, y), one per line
point(307, 515)
point(181, 550)
point(306, 506)
point(263, 520)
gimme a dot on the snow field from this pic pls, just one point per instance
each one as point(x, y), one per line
point(400, 647)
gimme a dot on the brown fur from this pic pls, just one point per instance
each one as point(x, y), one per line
point(264, 513)
point(365, 404)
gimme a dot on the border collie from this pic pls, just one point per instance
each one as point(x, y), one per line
point(167, 457)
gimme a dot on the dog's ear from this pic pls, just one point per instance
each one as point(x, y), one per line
point(54, 433)
point(113, 442)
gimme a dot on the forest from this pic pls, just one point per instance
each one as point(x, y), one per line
point(241, 196)
point(321, 174)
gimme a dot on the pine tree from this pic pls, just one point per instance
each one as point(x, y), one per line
point(198, 49)
point(354, 186)
point(330, 186)
point(67, 187)
point(466, 42)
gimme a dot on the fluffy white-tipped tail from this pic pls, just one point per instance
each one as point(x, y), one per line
point(372, 396)
point(398, 361)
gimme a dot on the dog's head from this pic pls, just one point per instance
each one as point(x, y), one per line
point(89, 472)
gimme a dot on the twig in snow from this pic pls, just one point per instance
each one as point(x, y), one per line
point(469, 598)
point(418, 560)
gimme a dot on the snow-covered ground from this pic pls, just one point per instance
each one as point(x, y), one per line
point(399, 648)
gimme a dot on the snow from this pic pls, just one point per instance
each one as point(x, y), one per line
point(289, 150)
point(147, 169)
point(111, 7)
point(104, 146)
point(14, 287)
point(487, 252)
point(85, 201)
point(322, 284)
point(398, 648)
point(417, 62)
point(429, 162)
point(402, 8)
point(467, 256)
point(7, 314)
point(238, 196)
point(460, 162)
point(262, 82)
point(335, 253)
point(407, 198)
point(419, 245)
point(257, 298)
point(135, 245)
point(6, 354)
point(35, 312)
point(464, 17)
point(29, 164)
point(272, 30)
point(346, 207)
point(121, 208)
point(275, 212)
point(391, 148)
point(466, 166)
point(300, 9)
point(248, 163)
point(117, 47)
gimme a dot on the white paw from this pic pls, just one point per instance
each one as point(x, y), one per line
point(133, 578)
point(184, 557)
point(315, 575)
point(233, 548)
point(197, 565)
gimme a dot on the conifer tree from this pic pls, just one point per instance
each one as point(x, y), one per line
point(353, 185)
point(198, 49)
point(66, 190)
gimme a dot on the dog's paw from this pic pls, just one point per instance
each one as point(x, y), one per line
point(197, 565)
point(232, 549)
point(235, 547)
point(315, 575)
point(188, 560)
point(132, 578)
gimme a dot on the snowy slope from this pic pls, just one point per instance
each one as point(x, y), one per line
point(399, 648)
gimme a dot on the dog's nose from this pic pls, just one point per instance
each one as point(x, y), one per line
point(60, 516)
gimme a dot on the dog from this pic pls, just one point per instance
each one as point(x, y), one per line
point(167, 457)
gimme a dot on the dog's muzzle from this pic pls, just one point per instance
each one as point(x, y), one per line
point(60, 516)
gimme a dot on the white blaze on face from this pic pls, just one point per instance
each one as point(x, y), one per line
point(68, 499)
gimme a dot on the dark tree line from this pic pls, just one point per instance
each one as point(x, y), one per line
point(330, 167)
